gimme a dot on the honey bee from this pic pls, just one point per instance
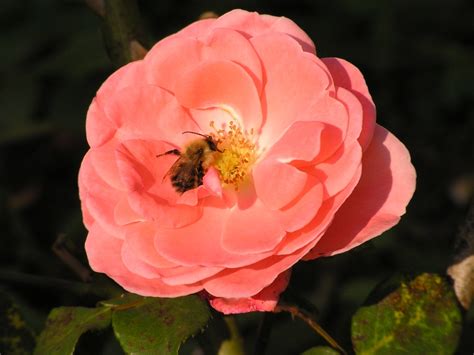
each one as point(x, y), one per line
point(188, 171)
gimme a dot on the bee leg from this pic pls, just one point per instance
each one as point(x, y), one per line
point(172, 151)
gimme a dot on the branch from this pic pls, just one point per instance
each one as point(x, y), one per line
point(121, 28)
point(462, 268)
point(308, 319)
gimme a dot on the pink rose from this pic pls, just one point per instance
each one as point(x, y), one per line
point(300, 169)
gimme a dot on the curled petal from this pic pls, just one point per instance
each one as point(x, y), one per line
point(249, 280)
point(386, 186)
point(200, 243)
point(292, 82)
point(104, 254)
point(253, 229)
point(264, 301)
point(277, 184)
point(346, 75)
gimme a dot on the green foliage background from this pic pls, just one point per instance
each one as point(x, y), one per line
point(418, 62)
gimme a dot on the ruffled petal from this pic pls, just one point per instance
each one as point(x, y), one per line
point(378, 201)
point(336, 172)
point(293, 81)
point(346, 75)
point(99, 198)
point(250, 230)
point(255, 24)
point(315, 229)
point(303, 208)
point(249, 280)
point(277, 184)
point(302, 141)
point(200, 243)
point(104, 254)
point(148, 112)
point(264, 301)
point(184, 52)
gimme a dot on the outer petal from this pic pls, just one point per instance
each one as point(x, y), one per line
point(99, 127)
point(293, 82)
point(104, 254)
point(254, 24)
point(98, 198)
point(265, 301)
point(385, 188)
point(174, 56)
point(200, 243)
point(249, 280)
point(346, 75)
point(148, 112)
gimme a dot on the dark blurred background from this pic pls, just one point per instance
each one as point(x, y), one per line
point(417, 58)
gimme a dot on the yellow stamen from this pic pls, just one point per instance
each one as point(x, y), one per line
point(238, 153)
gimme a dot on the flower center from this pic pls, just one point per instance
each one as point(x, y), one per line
point(238, 153)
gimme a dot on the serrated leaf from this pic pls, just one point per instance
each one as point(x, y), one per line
point(158, 325)
point(65, 325)
point(16, 337)
point(421, 316)
point(321, 350)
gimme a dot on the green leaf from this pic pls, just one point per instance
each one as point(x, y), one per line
point(158, 325)
point(16, 337)
point(421, 316)
point(321, 350)
point(65, 325)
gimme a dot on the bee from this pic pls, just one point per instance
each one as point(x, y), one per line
point(188, 171)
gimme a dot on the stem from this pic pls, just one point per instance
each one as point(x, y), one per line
point(308, 319)
point(462, 268)
point(121, 28)
point(263, 333)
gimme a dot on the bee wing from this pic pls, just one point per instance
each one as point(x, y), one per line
point(175, 167)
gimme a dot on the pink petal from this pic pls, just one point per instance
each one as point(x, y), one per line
point(249, 280)
point(148, 112)
point(253, 229)
point(301, 141)
point(104, 254)
point(124, 214)
point(277, 184)
point(336, 172)
point(140, 241)
point(200, 243)
point(99, 198)
point(188, 274)
point(293, 82)
point(103, 160)
point(221, 84)
point(170, 59)
point(255, 24)
point(99, 129)
point(385, 188)
point(265, 301)
point(346, 75)
point(314, 230)
point(137, 266)
point(223, 43)
point(304, 208)
point(355, 112)
point(130, 74)
point(197, 29)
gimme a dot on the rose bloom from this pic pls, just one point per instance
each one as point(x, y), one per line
point(301, 169)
